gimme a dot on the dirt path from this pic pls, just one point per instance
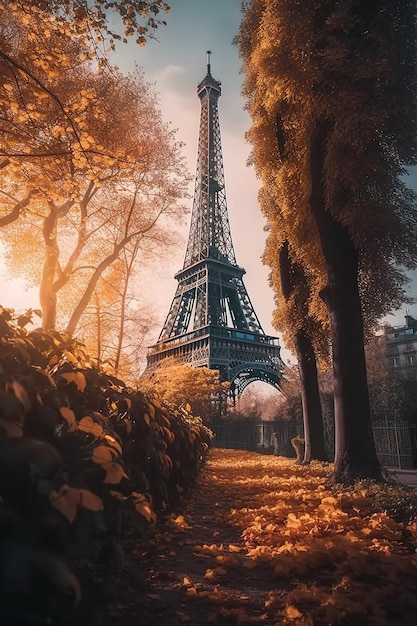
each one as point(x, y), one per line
point(263, 541)
point(199, 572)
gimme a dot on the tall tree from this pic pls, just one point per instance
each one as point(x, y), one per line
point(338, 81)
point(121, 155)
point(295, 289)
point(299, 316)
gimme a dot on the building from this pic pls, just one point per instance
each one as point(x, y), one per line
point(211, 322)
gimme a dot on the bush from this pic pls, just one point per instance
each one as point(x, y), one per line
point(82, 459)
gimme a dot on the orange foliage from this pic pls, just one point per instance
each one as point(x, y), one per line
point(325, 557)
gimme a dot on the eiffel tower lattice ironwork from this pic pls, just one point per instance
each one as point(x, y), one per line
point(211, 321)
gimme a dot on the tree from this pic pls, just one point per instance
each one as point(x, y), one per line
point(291, 409)
point(294, 287)
point(393, 396)
point(338, 82)
point(199, 387)
point(52, 28)
point(258, 401)
point(137, 168)
point(297, 317)
point(87, 161)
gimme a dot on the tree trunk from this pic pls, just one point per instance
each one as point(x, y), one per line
point(98, 317)
point(47, 293)
point(355, 454)
point(292, 274)
point(128, 268)
point(92, 283)
point(310, 399)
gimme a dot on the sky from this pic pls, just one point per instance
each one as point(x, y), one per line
point(175, 63)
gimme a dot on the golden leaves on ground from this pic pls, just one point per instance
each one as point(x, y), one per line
point(324, 558)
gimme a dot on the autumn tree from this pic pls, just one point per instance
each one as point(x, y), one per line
point(200, 387)
point(304, 333)
point(336, 85)
point(122, 173)
point(291, 408)
point(35, 40)
point(258, 401)
point(118, 319)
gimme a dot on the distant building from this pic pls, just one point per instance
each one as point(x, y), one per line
point(401, 342)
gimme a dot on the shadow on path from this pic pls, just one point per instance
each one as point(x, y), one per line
point(199, 571)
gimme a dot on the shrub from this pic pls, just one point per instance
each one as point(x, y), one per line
point(82, 458)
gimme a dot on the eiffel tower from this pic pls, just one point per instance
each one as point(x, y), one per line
point(211, 321)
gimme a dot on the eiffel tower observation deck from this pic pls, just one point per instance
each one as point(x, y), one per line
point(211, 322)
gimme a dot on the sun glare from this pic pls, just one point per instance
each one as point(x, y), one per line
point(15, 295)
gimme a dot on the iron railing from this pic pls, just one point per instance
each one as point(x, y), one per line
point(396, 445)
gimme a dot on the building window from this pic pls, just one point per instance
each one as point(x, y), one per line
point(409, 359)
point(394, 362)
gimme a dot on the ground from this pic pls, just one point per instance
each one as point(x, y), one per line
point(262, 540)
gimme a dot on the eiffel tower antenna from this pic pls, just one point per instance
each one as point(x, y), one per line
point(211, 321)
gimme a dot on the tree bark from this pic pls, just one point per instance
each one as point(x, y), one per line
point(92, 283)
point(15, 213)
point(290, 274)
point(310, 399)
point(47, 293)
point(355, 454)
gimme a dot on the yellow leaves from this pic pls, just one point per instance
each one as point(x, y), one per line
point(293, 521)
point(228, 560)
point(102, 454)
point(179, 521)
point(67, 500)
point(144, 507)
point(292, 612)
point(234, 548)
point(114, 444)
point(328, 503)
point(88, 425)
point(114, 473)
point(69, 417)
point(192, 592)
point(77, 378)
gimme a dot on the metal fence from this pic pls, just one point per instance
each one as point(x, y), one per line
point(396, 445)
point(256, 435)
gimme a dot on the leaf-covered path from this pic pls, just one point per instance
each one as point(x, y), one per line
point(200, 573)
point(261, 540)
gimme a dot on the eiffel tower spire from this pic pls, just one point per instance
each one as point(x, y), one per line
point(210, 230)
point(211, 321)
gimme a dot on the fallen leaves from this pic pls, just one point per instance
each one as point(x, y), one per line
point(324, 557)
